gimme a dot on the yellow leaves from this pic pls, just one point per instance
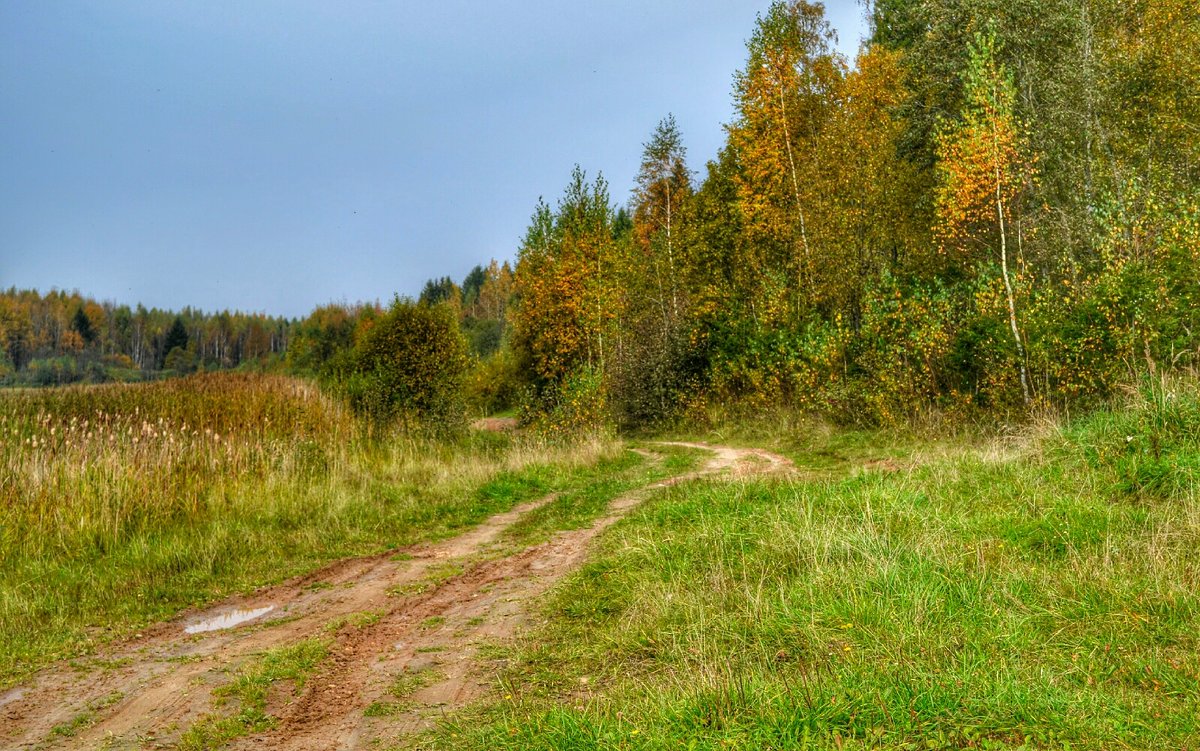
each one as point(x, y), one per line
point(981, 162)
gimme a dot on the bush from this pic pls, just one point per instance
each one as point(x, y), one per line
point(409, 367)
point(492, 385)
point(573, 408)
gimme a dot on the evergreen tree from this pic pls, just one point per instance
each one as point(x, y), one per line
point(82, 325)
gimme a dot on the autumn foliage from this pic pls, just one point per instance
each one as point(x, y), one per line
point(993, 209)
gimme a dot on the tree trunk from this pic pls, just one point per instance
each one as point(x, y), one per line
point(787, 141)
point(1008, 290)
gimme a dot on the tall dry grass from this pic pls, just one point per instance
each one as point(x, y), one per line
point(85, 466)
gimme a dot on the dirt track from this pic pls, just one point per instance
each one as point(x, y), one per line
point(422, 615)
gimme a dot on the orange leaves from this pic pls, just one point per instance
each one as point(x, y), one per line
point(565, 284)
point(981, 164)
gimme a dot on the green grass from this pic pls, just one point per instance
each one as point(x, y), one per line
point(594, 489)
point(249, 690)
point(402, 688)
point(985, 597)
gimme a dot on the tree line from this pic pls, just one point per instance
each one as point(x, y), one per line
point(995, 207)
point(64, 337)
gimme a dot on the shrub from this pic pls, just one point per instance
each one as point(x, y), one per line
point(408, 368)
point(492, 384)
point(572, 408)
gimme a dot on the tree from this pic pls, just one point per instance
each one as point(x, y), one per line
point(409, 368)
point(82, 325)
point(983, 169)
point(495, 292)
point(648, 367)
point(863, 190)
point(16, 332)
point(439, 290)
point(326, 333)
point(471, 287)
point(566, 300)
point(176, 338)
point(783, 98)
point(661, 202)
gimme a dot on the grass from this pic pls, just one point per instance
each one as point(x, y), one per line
point(403, 687)
point(84, 719)
point(998, 597)
point(354, 621)
point(588, 498)
point(899, 593)
point(250, 690)
point(121, 505)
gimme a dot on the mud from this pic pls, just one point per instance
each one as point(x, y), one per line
point(8, 697)
point(387, 677)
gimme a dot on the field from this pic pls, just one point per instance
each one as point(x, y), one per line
point(120, 505)
point(818, 589)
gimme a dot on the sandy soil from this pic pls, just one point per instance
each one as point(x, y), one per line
point(432, 608)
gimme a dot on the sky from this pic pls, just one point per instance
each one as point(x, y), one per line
point(275, 155)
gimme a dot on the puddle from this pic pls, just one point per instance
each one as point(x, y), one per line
point(9, 697)
point(228, 620)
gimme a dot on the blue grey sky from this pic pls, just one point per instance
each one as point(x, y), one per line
point(273, 155)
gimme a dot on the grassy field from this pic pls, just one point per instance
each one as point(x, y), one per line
point(1041, 592)
point(121, 505)
point(900, 591)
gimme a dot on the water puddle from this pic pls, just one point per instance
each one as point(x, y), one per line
point(9, 697)
point(228, 620)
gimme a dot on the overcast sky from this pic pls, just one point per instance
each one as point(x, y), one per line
point(273, 155)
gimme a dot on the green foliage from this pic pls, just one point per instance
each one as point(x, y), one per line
point(484, 336)
point(493, 385)
point(1150, 449)
point(904, 350)
point(319, 342)
point(82, 325)
point(571, 408)
point(408, 369)
point(564, 323)
point(179, 360)
point(176, 338)
point(439, 290)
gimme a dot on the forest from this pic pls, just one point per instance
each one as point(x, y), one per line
point(993, 209)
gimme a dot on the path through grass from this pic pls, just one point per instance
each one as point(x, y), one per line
point(1045, 597)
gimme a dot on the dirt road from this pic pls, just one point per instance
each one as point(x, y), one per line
point(417, 617)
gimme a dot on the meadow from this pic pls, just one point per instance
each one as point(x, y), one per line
point(120, 505)
point(1038, 591)
point(903, 589)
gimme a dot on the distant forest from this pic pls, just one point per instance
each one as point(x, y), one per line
point(994, 208)
point(65, 337)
